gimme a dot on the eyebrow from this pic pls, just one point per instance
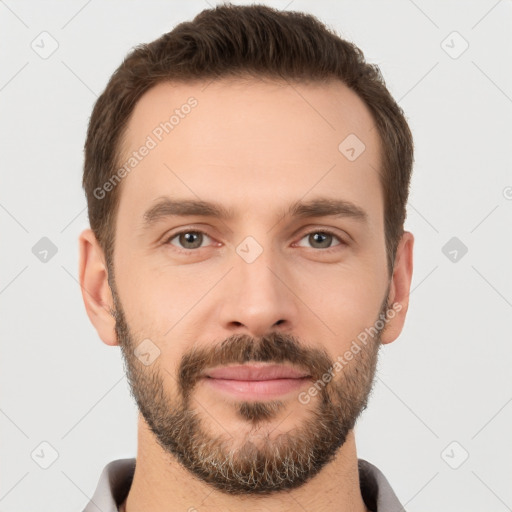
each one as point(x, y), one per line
point(319, 207)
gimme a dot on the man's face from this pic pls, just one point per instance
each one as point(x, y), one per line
point(196, 293)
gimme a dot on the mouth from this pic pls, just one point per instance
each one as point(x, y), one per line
point(258, 381)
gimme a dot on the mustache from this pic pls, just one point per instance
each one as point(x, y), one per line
point(242, 348)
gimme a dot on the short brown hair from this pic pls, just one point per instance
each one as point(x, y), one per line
point(236, 41)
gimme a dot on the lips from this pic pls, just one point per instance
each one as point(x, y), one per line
point(255, 372)
point(256, 381)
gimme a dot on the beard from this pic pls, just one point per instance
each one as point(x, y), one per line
point(239, 465)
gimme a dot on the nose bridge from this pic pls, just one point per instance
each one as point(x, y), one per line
point(258, 298)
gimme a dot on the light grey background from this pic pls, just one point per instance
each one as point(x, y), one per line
point(447, 378)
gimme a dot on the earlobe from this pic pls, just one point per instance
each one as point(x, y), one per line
point(96, 293)
point(399, 289)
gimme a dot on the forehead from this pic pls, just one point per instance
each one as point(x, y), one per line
point(250, 144)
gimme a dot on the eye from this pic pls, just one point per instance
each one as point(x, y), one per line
point(189, 239)
point(322, 239)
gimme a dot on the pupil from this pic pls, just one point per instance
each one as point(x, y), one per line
point(321, 238)
point(189, 239)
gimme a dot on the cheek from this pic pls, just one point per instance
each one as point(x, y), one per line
point(159, 304)
point(342, 304)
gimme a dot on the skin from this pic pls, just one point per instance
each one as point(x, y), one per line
point(254, 147)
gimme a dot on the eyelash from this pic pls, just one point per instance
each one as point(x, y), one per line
point(167, 241)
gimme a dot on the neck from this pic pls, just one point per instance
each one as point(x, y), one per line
point(160, 481)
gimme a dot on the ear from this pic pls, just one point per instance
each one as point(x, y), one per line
point(96, 292)
point(399, 289)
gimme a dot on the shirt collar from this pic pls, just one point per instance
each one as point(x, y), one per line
point(116, 479)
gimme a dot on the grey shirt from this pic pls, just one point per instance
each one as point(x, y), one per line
point(117, 476)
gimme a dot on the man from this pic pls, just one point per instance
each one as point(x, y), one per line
point(247, 177)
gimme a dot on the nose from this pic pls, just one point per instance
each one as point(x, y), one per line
point(258, 298)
